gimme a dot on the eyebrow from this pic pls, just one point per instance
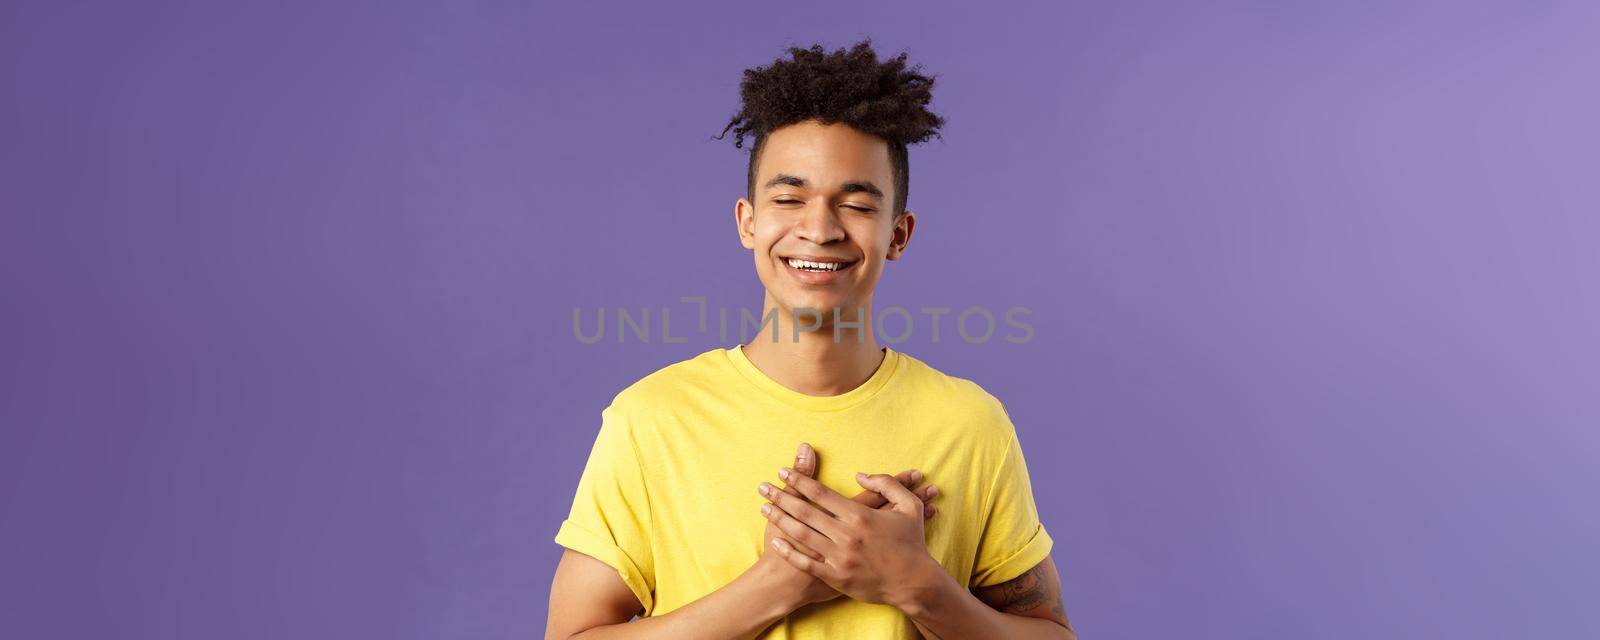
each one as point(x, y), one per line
point(852, 186)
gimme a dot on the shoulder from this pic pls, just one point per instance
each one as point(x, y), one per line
point(639, 409)
point(979, 412)
point(671, 383)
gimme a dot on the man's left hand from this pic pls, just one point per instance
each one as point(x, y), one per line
point(872, 555)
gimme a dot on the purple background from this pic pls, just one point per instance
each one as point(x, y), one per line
point(287, 298)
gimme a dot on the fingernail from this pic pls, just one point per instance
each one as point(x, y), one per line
point(783, 473)
point(777, 544)
point(861, 476)
point(764, 488)
point(766, 509)
point(915, 475)
point(932, 491)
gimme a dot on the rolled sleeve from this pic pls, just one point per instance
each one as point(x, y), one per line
point(1029, 556)
point(575, 537)
point(1013, 539)
point(611, 518)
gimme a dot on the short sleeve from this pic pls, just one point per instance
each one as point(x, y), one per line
point(610, 518)
point(1013, 539)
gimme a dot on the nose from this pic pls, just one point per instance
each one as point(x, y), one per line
point(819, 223)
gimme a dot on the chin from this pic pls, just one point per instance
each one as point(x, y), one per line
point(826, 306)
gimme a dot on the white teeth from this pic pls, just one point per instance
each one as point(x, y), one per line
point(815, 266)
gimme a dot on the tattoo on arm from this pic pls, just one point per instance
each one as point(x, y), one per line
point(1035, 594)
point(1029, 591)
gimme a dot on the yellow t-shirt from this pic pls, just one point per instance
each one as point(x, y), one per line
point(668, 497)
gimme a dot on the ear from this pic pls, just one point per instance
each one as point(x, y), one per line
point(901, 236)
point(744, 215)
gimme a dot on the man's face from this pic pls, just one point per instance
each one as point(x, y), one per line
point(823, 223)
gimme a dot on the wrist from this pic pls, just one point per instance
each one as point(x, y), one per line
point(774, 579)
point(921, 593)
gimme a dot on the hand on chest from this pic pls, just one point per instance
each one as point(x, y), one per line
point(713, 506)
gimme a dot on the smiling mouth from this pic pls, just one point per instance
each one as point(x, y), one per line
point(819, 266)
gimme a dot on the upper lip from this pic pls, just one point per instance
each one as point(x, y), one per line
point(818, 258)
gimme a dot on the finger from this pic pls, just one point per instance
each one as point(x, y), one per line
point(869, 499)
point(903, 499)
point(812, 553)
point(796, 530)
point(805, 460)
point(873, 499)
point(926, 493)
point(806, 516)
point(816, 568)
point(821, 495)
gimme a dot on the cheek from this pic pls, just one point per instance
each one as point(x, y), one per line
point(764, 244)
point(766, 235)
point(764, 249)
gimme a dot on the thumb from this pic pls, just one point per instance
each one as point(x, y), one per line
point(805, 460)
point(900, 498)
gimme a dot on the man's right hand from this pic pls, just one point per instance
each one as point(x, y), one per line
point(808, 588)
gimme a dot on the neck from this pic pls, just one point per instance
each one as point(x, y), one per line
point(815, 363)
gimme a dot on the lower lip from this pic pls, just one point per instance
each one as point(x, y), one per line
point(819, 277)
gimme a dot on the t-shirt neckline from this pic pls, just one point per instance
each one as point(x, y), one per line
point(853, 397)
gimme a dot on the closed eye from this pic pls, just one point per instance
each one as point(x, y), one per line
point(791, 201)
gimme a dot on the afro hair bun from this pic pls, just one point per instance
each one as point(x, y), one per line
point(848, 86)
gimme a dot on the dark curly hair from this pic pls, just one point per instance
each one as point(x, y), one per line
point(884, 99)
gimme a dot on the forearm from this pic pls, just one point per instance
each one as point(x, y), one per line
point(947, 610)
point(738, 610)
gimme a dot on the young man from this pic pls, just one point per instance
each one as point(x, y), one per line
point(686, 515)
